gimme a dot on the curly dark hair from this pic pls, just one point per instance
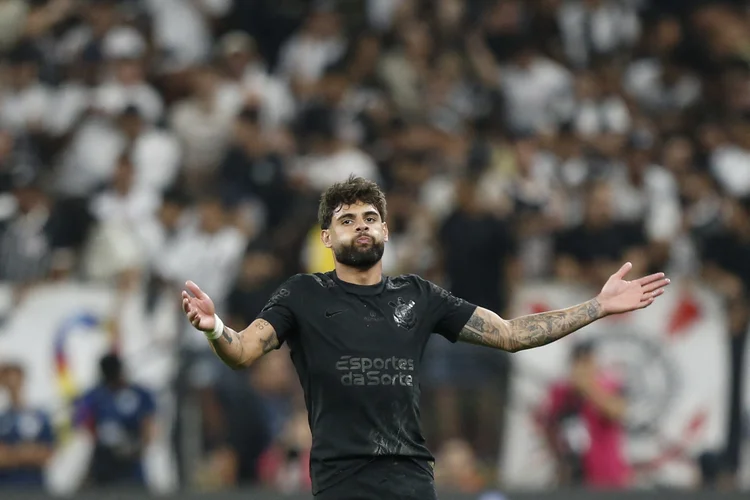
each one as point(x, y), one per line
point(354, 189)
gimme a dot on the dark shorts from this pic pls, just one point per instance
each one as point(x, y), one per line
point(385, 479)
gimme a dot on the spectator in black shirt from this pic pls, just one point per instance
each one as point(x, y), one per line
point(479, 253)
point(253, 169)
point(36, 242)
point(259, 277)
point(589, 251)
point(727, 268)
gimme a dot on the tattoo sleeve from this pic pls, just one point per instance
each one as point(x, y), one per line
point(488, 329)
point(268, 338)
point(237, 350)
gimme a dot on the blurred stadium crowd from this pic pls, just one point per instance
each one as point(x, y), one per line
point(147, 142)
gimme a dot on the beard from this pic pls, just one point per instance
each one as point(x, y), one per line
point(360, 257)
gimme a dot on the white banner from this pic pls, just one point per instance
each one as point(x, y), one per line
point(73, 324)
point(59, 332)
point(672, 358)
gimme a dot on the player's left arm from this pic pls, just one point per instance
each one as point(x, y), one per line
point(486, 328)
point(489, 329)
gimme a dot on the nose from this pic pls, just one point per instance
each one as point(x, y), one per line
point(361, 226)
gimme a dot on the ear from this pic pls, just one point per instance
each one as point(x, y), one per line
point(385, 231)
point(325, 237)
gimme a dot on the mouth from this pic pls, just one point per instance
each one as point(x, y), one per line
point(364, 239)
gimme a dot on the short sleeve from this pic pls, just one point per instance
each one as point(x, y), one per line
point(47, 435)
point(279, 310)
point(148, 405)
point(450, 313)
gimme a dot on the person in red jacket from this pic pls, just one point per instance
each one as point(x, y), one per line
point(584, 419)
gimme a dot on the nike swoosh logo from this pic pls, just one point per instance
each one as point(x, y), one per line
point(332, 314)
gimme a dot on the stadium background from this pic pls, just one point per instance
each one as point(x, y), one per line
point(527, 148)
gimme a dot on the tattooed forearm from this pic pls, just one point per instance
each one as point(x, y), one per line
point(230, 352)
point(226, 335)
point(238, 350)
point(535, 330)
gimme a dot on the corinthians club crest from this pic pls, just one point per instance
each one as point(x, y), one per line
point(403, 313)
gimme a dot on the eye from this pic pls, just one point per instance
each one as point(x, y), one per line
point(347, 221)
point(371, 219)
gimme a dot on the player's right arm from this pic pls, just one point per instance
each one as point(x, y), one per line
point(241, 349)
point(236, 349)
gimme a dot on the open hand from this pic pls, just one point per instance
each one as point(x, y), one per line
point(198, 307)
point(620, 296)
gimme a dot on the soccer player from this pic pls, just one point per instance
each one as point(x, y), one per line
point(356, 339)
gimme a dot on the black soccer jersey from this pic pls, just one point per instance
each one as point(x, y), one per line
point(358, 351)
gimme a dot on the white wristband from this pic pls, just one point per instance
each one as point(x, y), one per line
point(218, 329)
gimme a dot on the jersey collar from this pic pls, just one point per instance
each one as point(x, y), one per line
point(360, 289)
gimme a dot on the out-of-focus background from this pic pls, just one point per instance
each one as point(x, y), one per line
point(527, 148)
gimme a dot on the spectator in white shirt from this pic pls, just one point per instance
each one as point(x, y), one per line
point(594, 28)
point(247, 75)
point(97, 19)
point(26, 100)
point(123, 201)
point(329, 159)
point(156, 152)
point(125, 49)
point(662, 85)
point(182, 29)
point(405, 70)
point(203, 122)
point(92, 156)
point(318, 44)
point(594, 113)
point(532, 85)
point(161, 230)
point(211, 251)
point(74, 97)
point(115, 247)
point(729, 159)
point(644, 191)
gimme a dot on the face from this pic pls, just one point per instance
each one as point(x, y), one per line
point(368, 51)
point(357, 235)
point(212, 216)
point(678, 155)
point(599, 205)
point(586, 86)
point(102, 17)
point(585, 362)
point(24, 74)
point(237, 61)
point(131, 125)
point(170, 214)
point(129, 71)
point(123, 177)
point(323, 24)
point(28, 198)
point(334, 87)
point(13, 379)
point(6, 145)
point(204, 82)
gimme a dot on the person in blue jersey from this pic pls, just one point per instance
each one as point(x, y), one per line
point(26, 436)
point(120, 417)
